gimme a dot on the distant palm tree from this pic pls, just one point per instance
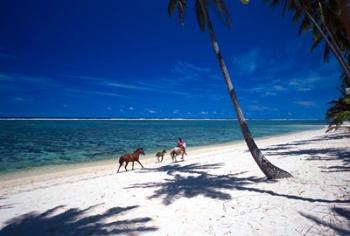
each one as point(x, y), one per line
point(201, 7)
point(338, 113)
point(329, 20)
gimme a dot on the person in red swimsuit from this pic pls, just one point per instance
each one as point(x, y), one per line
point(181, 144)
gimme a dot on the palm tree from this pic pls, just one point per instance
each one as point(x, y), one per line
point(322, 17)
point(203, 18)
point(338, 112)
point(328, 20)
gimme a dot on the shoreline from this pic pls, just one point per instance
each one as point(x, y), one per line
point(48, 172)
point(218, 188)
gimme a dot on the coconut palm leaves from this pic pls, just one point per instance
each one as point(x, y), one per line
point(204, 21)
point(200, 5)
point(338, 113)
point(328, 20)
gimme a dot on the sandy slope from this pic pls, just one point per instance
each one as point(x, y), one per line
point(216, 191)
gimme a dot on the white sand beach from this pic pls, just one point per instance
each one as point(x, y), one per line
point(217, 190)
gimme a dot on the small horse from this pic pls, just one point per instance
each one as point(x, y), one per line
point(160, 155)
point(131, 157)
point(176, 152)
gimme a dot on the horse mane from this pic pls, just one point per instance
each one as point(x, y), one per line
point(138, 150)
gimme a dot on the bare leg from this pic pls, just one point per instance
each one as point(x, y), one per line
point(140, 164)
point(126, 166)
point(133, 165)
point(120, 165)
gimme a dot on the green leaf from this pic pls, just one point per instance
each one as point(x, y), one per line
point(245, 1)
point(201, 19)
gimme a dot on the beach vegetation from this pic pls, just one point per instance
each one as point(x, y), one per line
point(329, 21)
point(339, 113)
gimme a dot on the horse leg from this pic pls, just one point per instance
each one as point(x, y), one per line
point(126, 164)
point(133, 165)
point(120, 165)
point(140, 164)
point(173, 156)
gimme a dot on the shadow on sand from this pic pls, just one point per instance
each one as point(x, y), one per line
point(324, 154)
point(192, 180)
point(75, 222)
point(337, 212)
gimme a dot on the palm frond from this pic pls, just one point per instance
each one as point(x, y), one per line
point(172, 6)
point(201, 17)
point(305, 25)
point(316, 39)
point(220, 5)
point(297, 15)
point(180, 5)
point(326, 53)
point(338, 113)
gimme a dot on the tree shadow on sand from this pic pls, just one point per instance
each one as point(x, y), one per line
point(194, 168)
point(211, 186)
point(192, 180)
point(75, 222)
point(337, 213)
point(324, 154)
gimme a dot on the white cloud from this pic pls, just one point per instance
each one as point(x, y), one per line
point(109, 82)
point(278, 88)
point(322, 77)
point(128, 86)
point(186, 68)
point(257, 107)
point(18, 99)
point(270, 88)
point(91, 92)
point(311, 81)
point(306, 103)
point(246, 63)
point(131, 108)
point(151, 111)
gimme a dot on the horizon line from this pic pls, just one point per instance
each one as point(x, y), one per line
point(142, 118)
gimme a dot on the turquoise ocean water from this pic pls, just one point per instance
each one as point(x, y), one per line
point(25, 144)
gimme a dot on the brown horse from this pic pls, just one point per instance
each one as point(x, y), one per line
point(176, 152)
point(160, 155)
point(131, 157)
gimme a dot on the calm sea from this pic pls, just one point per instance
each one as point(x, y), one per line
point(33, 143)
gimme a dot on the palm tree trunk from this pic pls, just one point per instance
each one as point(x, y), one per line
point(332, 45)
point(270, 171)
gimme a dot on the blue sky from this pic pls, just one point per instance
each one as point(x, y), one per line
point(130, 59)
